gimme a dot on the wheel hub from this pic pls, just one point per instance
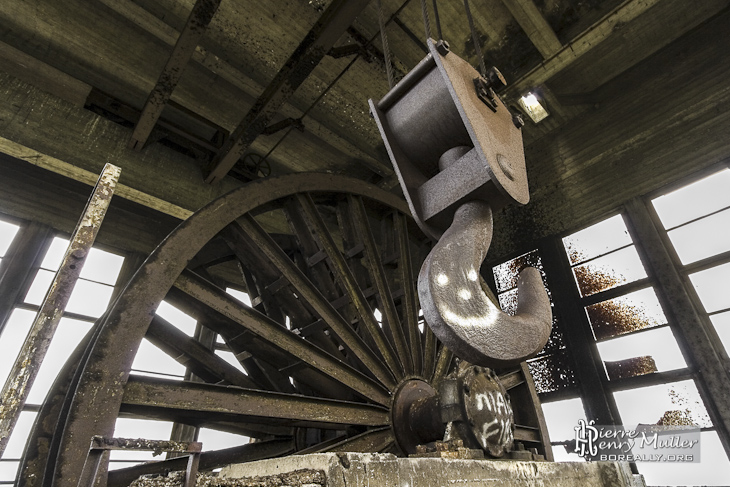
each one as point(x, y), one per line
point(416, 415)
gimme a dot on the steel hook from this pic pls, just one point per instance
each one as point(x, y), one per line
point(463, 312)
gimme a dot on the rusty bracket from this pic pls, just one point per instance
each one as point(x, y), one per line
point(101, 445)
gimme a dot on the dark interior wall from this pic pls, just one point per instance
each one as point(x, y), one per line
point(35, 194)
point(625, 146)
point(622, 146)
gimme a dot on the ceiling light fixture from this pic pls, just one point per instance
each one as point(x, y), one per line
point(532, 107)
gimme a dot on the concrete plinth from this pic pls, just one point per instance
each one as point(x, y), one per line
point(386, 470)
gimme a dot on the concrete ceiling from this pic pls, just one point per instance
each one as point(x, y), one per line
point(635, 92)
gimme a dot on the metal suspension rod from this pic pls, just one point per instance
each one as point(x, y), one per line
point(475, 38)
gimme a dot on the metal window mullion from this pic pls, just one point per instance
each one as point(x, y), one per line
point(695, 334)
point(20, 264)
point(588, 261)
point(592, 379)
point(707, 215)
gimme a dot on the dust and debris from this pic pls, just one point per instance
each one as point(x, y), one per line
point(676, 418)
point(612, 318)
point(297, 478)
point(552, 372)
point(631, 367)
point(593, 279)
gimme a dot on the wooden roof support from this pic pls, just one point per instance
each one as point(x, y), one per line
point(599, 32)
point(320, 39)
point(197, 22)
point(535, 26)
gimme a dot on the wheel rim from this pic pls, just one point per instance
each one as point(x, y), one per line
point(345, 365)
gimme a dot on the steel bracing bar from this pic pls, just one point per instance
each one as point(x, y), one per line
point(315, 46)
point(201, 15)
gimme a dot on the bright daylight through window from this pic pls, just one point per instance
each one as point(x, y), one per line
point(88, 301)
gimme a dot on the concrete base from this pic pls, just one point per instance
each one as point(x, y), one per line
point(381, 470)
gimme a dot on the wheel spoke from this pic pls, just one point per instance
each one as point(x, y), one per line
point(193, 403)
point(260, 358)
point(443, 364)
point(193, 355)
point(315, 298)
point(375, 440)
point(377, 273)
point(429, 350)
point(208, 460)
point(281, 338)
point(410, 310)
point(348, 282)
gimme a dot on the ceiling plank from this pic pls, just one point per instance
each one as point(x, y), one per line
point(215, 64)
point(328, 29)
point(594, 35)
point(45, 77)
point(535, 26)
point(200, 16)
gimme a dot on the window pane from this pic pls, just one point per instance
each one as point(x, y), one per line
point(8, 470)
point(12, 338)
point(54, 255)
point(182, 321)
point(39, 287)
point(631, 312)
point(713, 469)
point(562, 418)
point(19, 436)
point(149, 358)
point(695, 200)
point(596, 240)
point(67, 337)
point(721, 322)
point(672, 403)
point(607, 272)
point(239, 295)
point(230, 357)
point(7, 234)
point(505, 275)
point(101, 266)
point(217, 440)
point(711, 286)
point(552, 372)
point(89, 298)
point(703, 238)
point(641, 353)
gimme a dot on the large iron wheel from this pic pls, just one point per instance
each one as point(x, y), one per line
point(319, 253)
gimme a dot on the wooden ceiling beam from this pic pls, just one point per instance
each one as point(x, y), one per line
point(535, 26)
point(320, 39)
point(198, 20)
point(589, 39)
point(218, 66)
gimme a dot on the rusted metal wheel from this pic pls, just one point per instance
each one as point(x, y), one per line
point(331, 344)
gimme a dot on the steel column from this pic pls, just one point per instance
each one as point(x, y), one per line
point(24, 371)
point(693, 330)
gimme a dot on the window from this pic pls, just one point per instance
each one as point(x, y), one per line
point(628, 323)
point(561, 418)
point(696, 219)
point(89, 299)
point(552, 369)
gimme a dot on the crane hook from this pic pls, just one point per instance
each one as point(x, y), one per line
point(460, 308)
